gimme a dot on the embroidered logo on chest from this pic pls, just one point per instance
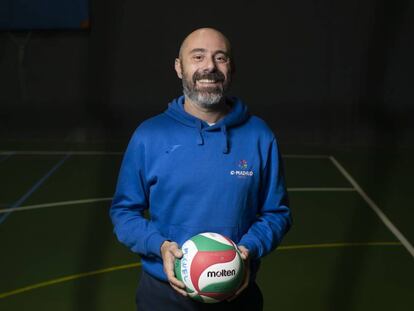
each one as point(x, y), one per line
point(242, 172)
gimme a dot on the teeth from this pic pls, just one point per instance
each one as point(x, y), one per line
point(206, 81)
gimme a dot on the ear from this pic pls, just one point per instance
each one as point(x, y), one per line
point(177, 66)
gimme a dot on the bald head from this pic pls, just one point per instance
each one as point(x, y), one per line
point(202, 36)
point(205, 66)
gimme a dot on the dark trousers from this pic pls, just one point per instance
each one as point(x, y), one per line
point(155, 295)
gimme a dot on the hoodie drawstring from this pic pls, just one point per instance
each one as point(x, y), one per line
point(200, 138)
point(226, 139)
point(223, 128)
point(236, 116)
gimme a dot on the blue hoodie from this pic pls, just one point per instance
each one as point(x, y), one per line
point(225, 178)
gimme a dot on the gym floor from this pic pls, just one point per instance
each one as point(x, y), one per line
point(350, 247)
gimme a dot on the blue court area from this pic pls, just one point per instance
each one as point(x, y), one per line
point(350, 247)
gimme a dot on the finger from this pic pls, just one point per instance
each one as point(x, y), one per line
point(232, 298)
point(245, 283)
point(169, 266)
point(237, 293)
point(243, 256)
point(171, 276)
point(244, 252)
point(169, 271)
point(179, 290)
point(177, 253)
point(242, 288)
point(173, 280)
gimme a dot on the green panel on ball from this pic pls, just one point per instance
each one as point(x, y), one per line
point(197, 298)
point(178, 275)
point(208, 244)
point(177, 269)
point(221, 287)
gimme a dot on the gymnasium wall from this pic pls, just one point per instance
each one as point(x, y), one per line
point(320, 72)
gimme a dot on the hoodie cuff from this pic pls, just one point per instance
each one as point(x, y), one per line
point(154, 243)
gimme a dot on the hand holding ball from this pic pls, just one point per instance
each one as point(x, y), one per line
point(211, 267)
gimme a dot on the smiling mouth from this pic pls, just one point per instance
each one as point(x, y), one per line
point(208, 81)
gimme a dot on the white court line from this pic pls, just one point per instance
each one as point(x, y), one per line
point(62, 203)
point(94, 200)
point(374, 207)
point(320, 189)
point(34, 188)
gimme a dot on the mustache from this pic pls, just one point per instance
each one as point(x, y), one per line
point(214, 75)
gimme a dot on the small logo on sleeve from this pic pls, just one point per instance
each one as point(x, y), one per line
point(243, 171)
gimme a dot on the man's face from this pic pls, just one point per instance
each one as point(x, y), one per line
point(204, 67)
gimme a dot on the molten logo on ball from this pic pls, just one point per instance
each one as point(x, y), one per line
point(221, 273)
point(211, 267)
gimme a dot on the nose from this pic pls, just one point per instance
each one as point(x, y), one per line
point(209, 64)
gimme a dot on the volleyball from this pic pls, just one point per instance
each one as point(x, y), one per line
point(211, 267)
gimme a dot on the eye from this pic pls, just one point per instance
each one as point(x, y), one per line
point(198, 57)
point(221, 58)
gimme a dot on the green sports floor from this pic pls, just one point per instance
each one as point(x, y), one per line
point(351, 246)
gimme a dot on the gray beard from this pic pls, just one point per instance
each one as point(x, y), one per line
point(202, 98)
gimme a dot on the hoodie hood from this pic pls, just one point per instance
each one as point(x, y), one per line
point(237, 115)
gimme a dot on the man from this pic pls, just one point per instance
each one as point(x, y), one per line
point(204, 165)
